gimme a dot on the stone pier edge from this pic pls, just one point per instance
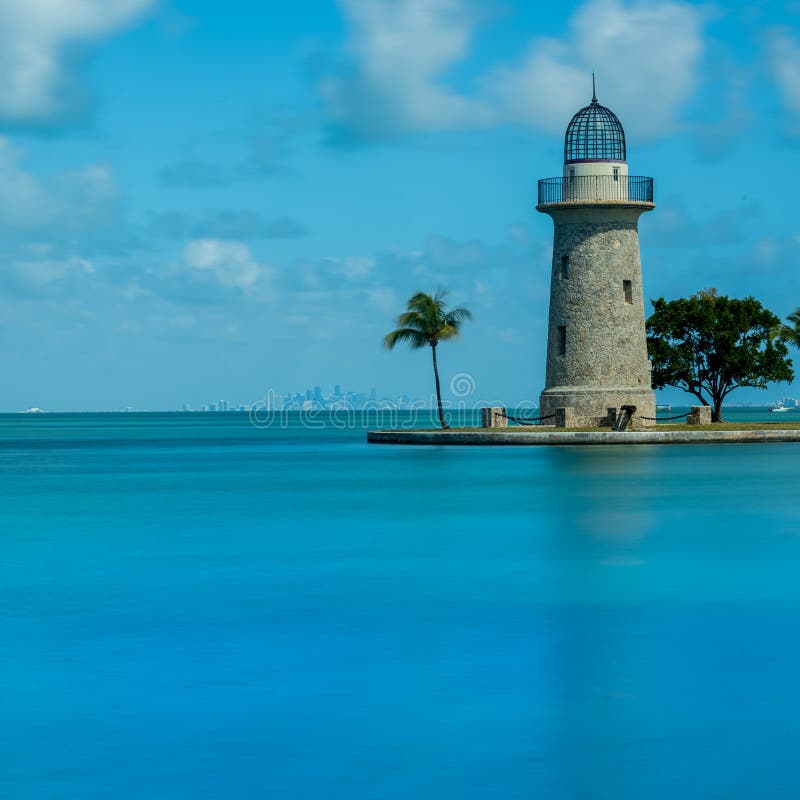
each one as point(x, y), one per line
point(500, 437)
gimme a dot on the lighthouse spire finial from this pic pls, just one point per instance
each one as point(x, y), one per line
point(594, 91)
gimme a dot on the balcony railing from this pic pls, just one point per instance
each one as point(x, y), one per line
point(596, 189)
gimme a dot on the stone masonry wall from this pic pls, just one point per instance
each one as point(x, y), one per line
point(596, 348)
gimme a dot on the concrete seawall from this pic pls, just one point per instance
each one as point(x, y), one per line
point(532, 438)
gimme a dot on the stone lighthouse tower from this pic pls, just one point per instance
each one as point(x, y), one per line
point(596, 345)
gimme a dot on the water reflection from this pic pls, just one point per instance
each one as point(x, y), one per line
point(299, 612)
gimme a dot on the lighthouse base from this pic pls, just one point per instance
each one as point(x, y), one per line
point(591, 404)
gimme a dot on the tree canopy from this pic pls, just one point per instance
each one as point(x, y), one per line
point(709, 345)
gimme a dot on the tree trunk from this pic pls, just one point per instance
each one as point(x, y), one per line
point(444, 424)
point(716, 410)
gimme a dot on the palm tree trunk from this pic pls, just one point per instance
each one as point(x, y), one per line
point(438, 388)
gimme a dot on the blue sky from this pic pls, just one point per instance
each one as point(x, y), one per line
point(203, 200)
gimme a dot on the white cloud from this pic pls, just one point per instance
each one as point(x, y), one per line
point(765, 253)
point(400, 50)
point(41, 276)
point(71, 201)
point(783, 52)
point(38, 39)
point(230, 262)
point(353, 268)
point(42, 272)
point(383, 299)
point(646, 55)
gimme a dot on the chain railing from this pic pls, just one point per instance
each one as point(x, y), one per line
point(526, 420)
point(666, 419)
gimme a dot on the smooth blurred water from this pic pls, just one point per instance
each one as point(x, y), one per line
point(194, 608)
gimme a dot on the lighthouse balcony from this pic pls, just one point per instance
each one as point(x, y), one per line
point(595, 190)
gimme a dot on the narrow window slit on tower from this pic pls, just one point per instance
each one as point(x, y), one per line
point(565, 267)
point(627, 289)
point(616, 173)
point(562, 340)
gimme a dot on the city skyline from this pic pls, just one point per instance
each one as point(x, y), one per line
point(359, 400)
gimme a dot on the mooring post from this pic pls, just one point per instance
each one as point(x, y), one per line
point(700, 415)
point(625, 421)
point(565, 417)
point(494, 418)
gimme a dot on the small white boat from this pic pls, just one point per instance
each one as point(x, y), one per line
point(778, 407)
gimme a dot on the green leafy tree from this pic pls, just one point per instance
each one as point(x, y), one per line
point(791, 333)
point(709, 345)
point(426, 323)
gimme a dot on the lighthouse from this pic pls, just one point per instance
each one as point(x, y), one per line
point(596, 343)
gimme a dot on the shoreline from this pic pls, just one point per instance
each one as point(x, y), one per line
point(501, 437)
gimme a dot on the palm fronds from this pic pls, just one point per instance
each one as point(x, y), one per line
point(411, 335)
point(429, 318)
point(791, 333)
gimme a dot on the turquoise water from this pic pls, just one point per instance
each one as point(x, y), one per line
point(195, 608)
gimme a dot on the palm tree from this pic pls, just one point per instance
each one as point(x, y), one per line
point(791, 333)
point(428, 322)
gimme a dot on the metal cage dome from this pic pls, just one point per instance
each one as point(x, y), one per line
point(594, 134)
